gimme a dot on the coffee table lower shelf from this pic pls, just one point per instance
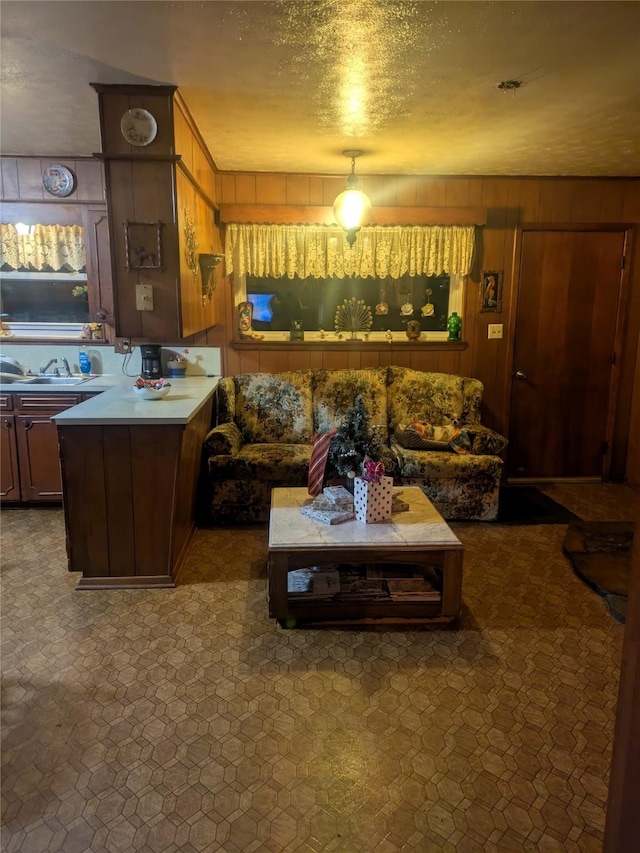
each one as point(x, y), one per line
point(291, 611)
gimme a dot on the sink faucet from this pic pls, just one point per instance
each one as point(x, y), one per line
point(48, 365)
point(66, 366)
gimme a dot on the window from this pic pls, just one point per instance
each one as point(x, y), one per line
point(311, 302)
point(44, 297)
point(43, 280)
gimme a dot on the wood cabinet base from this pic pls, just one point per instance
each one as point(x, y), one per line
point(129, 500)
point(154, 581)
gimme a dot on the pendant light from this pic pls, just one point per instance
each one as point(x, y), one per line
point(352, 206)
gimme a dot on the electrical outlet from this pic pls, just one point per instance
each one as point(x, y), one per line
point(494, 331)
point(122, 345)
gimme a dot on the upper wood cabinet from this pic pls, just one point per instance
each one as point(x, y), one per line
point(162, 211)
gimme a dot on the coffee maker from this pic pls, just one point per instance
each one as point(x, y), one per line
point(151, 361)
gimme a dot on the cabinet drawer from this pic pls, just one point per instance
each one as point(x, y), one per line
point(50, 402)
point(6, 402)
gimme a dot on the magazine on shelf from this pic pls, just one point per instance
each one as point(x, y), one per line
point(320, 582)
point(362, 589)
point(412, 589)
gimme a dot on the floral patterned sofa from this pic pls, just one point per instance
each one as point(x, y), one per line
point(265, 424)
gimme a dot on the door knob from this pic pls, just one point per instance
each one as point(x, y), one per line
point(520, 374)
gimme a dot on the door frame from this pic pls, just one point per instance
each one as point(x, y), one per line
point(617, 427)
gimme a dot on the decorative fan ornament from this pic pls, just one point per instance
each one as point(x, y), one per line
point(354, 316)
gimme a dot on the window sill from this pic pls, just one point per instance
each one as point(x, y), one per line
point(371, 346)
point(52, 339)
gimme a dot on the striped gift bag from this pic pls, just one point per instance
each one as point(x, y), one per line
point(318, 462)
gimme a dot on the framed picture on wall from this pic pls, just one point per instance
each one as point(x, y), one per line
point(491, 291)
point(143, 245)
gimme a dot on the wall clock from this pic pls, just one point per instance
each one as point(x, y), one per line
point(138, 127)
point(58, 180)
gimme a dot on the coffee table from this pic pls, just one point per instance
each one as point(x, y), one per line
point(419, 537)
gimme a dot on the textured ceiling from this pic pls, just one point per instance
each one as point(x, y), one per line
point(287, 86)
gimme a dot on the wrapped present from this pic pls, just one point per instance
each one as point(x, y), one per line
point(372, 500)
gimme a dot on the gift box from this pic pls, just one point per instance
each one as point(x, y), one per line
point(372, 501)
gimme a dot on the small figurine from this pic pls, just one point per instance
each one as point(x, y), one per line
point(388, 336)
point(245, 322)
point(454, 324)
point(296, 332)
point(413, 330)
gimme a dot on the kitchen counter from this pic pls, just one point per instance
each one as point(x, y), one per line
point(117, 403)
point(130, 478)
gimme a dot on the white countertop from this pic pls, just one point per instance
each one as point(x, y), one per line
point(117, 404)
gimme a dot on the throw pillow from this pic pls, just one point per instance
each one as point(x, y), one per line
point(425, 436)
point(422, 436)
point(486, 441)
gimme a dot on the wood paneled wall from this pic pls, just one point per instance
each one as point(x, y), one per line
point(509, 202)
point(21, 180)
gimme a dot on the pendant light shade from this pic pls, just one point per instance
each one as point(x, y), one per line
point(351, 206)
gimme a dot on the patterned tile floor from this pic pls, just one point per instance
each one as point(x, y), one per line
point(187, 720)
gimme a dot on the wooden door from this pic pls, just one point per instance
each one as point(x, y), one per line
point(564, 353)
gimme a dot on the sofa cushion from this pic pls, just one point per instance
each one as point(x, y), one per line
point(284, 464)
point(335, 390)
point(432, 397)
point(431, 464)
point(275, 407)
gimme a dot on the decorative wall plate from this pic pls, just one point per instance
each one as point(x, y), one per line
point(138, 127)
point(58, 180)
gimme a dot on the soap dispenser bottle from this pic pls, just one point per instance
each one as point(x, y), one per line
point(85, 362)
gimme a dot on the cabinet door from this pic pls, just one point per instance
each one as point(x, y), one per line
point(40, 478)
point(99, 274)
point(9, 473)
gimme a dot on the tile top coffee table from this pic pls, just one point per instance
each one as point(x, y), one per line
point(417, 537)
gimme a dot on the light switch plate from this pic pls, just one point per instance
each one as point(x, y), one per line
point(495, 331)
point(144, 297)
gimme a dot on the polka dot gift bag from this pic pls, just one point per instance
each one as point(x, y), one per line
point(372, 494)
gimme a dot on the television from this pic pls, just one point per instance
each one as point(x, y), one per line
point(261, 302)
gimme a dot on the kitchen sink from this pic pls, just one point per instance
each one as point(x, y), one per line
point(57, 380)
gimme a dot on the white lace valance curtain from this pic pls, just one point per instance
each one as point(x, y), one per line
point(323, 252)
point(46, 247)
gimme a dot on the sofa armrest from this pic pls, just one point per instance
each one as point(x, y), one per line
point(484, 441)
point(223, 440)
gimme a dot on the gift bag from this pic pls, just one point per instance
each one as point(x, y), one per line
point(372, 501)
